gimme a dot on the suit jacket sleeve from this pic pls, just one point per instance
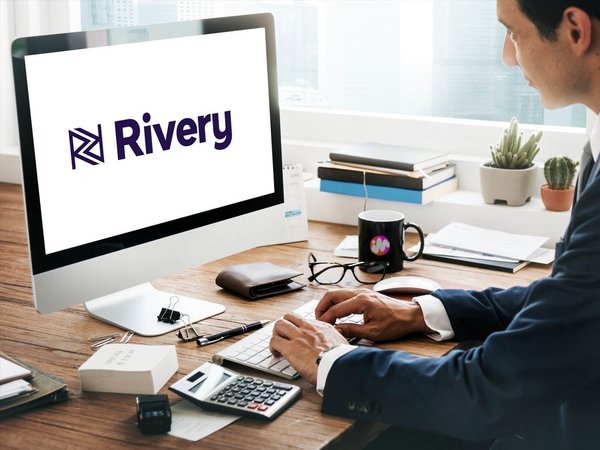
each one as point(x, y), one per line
point(540, 350)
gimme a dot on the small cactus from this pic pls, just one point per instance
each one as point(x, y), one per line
point(509, 154)
point(559, 172)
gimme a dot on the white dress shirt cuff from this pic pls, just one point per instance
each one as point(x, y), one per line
point(436, 317)
point(327, 362)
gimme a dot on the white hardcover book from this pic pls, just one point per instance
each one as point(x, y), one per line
point(129, 368)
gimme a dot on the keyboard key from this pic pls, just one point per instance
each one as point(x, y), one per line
point(290, 371)
point(257, 359)
point(281, 365)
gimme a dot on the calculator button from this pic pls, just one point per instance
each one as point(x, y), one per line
point(232, 401)
point(259, 400)
point(285, 387)
point(250, 379)
point(252, 405)
point(214, 397)
point(222, 399)
point(271, 391)
point(267, 383)
point(282, 392)
point(263, 408)
point(269, 402)
point(275, 397)
point(242, 404)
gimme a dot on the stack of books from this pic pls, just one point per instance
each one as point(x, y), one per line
point(23, 387)
point(388, 173)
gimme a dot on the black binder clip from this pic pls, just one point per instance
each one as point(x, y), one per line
point(189, 332)
point(168, 314)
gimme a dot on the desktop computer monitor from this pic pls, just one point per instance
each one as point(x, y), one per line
point(145, 151)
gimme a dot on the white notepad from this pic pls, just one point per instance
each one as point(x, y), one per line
point(129, 368)
point(10, 371)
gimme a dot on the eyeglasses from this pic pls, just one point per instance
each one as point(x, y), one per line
point(328, 272)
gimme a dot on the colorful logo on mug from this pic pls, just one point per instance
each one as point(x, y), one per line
point(380, 245)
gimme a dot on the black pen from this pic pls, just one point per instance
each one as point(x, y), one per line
point(205, 340)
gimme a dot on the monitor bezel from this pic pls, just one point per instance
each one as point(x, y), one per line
point(42, 262)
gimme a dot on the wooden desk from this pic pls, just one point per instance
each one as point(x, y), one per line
point(57, 343)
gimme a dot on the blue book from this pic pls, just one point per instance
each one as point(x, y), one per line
point(391, 193)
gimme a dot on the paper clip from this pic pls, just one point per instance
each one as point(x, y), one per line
point(169, 315)
point(189, 332)
point(103, 337)
point(99, 341)
point(127, 337)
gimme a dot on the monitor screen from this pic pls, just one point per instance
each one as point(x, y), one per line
point(131, 136)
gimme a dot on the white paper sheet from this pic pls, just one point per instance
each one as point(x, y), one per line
point(194, 423)
point(348, 248)
point(489, 242)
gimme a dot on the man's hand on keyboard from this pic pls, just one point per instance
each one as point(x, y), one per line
point(300, 341)
point(384, 318)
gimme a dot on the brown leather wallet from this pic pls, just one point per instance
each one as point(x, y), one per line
point(258, 280)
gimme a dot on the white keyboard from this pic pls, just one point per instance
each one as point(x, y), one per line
point(253, 350)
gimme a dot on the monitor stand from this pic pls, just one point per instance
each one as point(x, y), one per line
point(137, 309)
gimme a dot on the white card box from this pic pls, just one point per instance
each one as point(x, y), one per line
point(129, 368)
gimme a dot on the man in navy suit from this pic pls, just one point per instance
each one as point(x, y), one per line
point(534, 382)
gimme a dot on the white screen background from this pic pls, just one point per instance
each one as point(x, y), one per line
point(171, 79)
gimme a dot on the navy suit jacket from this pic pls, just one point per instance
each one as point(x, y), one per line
point(534, 383)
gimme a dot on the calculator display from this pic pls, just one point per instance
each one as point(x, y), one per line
point(208, 381)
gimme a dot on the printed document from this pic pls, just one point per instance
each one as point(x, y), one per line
point(490, 242)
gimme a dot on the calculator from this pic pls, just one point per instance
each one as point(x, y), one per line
point(214, 387)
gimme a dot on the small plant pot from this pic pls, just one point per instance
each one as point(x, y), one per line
point(557, 199)
point(513, 186)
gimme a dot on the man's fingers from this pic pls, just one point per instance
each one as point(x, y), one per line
point(350, 330)
point(276, 345)
point(354, 305)
point(332, 298)
point(286, 327)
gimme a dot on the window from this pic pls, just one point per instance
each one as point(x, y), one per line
point(439, 58)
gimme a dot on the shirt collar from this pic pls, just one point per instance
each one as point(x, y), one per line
point(595, 139)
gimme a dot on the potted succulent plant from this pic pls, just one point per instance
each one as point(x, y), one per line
point(510, 175)
point(557, 194)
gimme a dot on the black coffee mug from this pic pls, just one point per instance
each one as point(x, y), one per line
point(381, 238)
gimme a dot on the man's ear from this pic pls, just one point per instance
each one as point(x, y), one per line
point(578, 29)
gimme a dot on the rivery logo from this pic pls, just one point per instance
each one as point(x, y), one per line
point(82, 144)
point(133, 139)
point(380, 245)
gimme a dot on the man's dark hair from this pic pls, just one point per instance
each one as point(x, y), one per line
point(546, 15)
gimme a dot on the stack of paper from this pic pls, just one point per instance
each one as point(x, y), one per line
point(481, 247)
point(12, 383)
point(129, 368)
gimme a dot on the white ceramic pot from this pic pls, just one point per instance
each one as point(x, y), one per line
point(513, 186)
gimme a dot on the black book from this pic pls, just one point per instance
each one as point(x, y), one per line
point(356, 175)
point(390, 156)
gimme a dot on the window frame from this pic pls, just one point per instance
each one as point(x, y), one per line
point(309, 133)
